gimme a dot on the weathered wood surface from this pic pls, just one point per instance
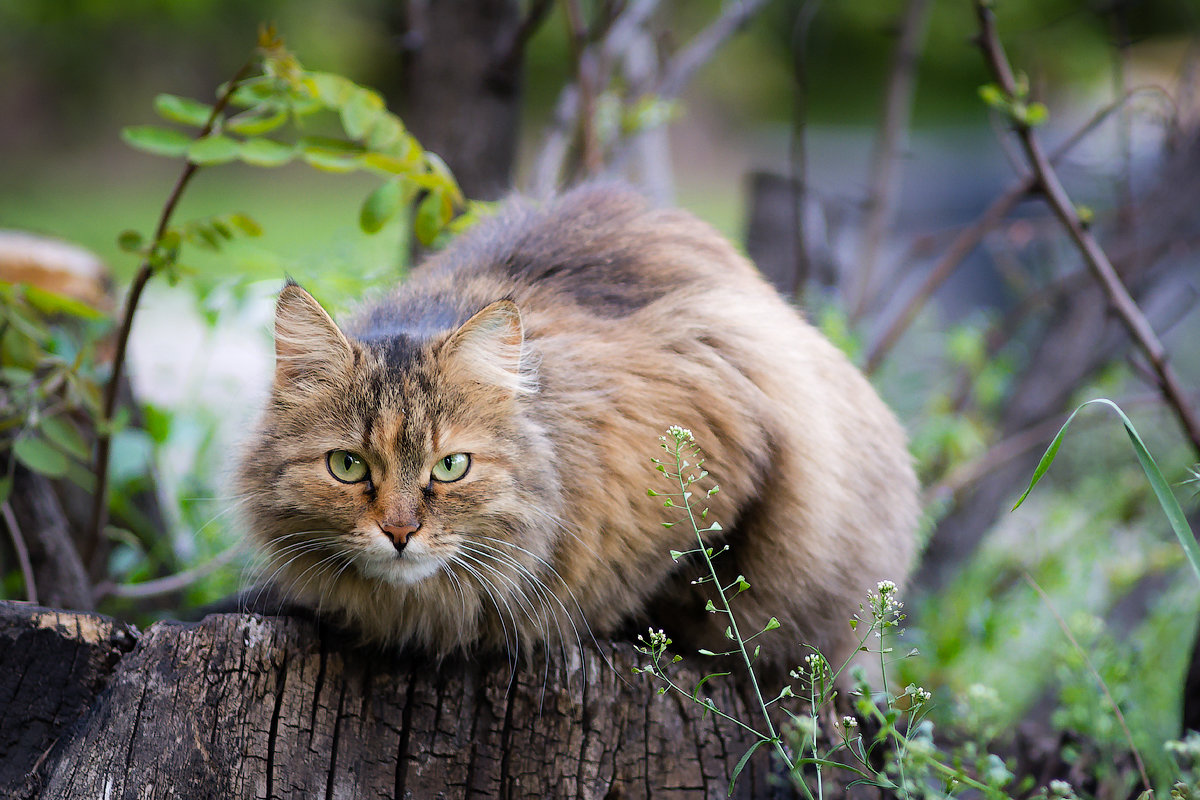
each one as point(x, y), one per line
point(243, 706)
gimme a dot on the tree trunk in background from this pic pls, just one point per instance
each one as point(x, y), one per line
point(459, 85)
point(241, 706)
point(60, 576)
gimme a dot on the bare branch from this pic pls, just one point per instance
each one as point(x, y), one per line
point(171, 583)
point(897, 110)
point(797, 145)
point(966, 242)
point(14, 533)
point(1094, 256)
point(586, 79)
point(705, 45)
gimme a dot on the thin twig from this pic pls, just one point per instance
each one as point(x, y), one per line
point(585, 79)
point(1094, 256)
point(966, 242)
point(704, 46)
point(1137, 756)
point(171, 583)
point(14, 533)
point(145, 272)
point(897, 111)
point(798, 146)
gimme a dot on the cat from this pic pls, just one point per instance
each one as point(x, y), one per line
point(464, 464)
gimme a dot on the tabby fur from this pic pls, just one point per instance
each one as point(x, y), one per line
point(555, 344)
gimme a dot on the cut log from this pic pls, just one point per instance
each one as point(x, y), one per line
point(245, 706)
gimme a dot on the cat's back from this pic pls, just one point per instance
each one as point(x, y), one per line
point(601, 250)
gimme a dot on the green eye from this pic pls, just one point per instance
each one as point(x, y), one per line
point(451, 468)
point(347, 467)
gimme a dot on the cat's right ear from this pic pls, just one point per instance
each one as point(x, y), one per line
point(309, 346)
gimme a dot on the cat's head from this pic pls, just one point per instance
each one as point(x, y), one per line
point(394, 459)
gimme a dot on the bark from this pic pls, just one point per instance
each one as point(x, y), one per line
point(58, 570)
point(247, 706)
point(460, 86)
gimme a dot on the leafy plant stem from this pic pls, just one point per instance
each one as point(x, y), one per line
point(145, 272)
point(773, 736)
point(1137, 755)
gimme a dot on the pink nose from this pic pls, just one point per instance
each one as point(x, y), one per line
point(399, 533)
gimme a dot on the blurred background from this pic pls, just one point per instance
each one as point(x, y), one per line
point(846, 146)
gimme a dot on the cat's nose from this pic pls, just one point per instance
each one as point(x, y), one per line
point(400, 532)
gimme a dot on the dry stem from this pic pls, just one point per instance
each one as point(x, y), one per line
point(1094, 256)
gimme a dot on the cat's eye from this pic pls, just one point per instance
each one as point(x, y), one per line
point(451, 468)
point(347, 467)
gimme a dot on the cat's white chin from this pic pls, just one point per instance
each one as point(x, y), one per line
point(401, 571)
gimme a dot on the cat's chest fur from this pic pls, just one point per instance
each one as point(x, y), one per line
point(465, 463)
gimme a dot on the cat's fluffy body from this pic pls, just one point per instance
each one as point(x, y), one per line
point(555, 344)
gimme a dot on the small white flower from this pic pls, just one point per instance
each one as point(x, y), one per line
point(923, 695)
point(850, 722)
point(679, 434)
point(1061, 789)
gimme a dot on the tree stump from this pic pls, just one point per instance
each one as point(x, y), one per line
point(242, 706)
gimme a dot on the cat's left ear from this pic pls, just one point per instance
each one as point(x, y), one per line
point(487, 349)
point(309, 347)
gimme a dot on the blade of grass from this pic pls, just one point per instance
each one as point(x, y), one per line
point(1162, 490)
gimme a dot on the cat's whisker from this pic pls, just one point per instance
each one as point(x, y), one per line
point(457, 584)
point(565, 586)
point(520, 593)
point(287, 555)
point(540, 592)
point(539, 586)
point(488, 587)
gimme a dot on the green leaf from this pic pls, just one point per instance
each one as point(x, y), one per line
point(993, 95)
point(737, 770)
point(53, 303)
point(257, 121)
point(428, 223)
point(215, 149)
point(361, 112)
point(265, 152)
point(6, 485)
point(330, 160)
point(246, 224)
point(1154, 476)
point(156, 140)
point(333, 91)
point(381, 205)
point(704, 680)
point(1035, 114)
point(40, 456)
point(63, 433)
point(182, 109)
point(130, 241)
point(385, 134)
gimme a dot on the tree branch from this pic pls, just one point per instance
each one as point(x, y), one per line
point(1094, 256)
point(705, 45)
point(14, 533)
point(897, 110)
point(145, 272)
point(966, 242)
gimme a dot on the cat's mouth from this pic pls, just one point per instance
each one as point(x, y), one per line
point(399, 568)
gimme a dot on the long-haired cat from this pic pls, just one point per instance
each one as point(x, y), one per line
point(464, 464)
